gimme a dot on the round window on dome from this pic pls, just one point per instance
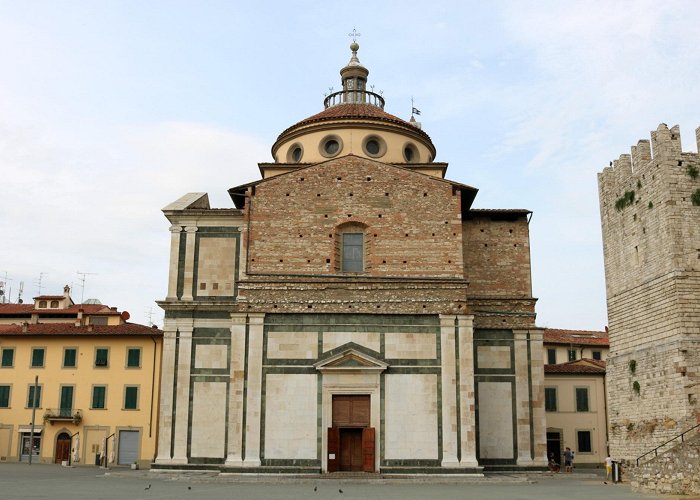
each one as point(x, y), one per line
point(410, 153)
point(295, 153)
point(331, 146)
point(374, 146)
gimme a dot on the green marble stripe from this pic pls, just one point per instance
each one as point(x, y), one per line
point(173, 416)
point(219, 231)
point(212, 333)
point(289, 369)
point(529, 401)
point(412, 362)
point(319, 415)
point(206, 460)
point(410, 463)
point(458, 381)
point(197, 314)
point(396, 370)
point(382, 416)
point(245, 391)
point(209, 374)
point(181, 254)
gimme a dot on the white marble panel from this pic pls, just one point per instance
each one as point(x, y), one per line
point(496, 356)
point(208, 419)
point(292, 345)
point(290, 416)
point(331, 340)
point(496, 420)
point(410, 345)
point(210, 356)
point(411, 416)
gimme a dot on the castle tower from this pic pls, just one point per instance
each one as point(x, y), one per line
point(650, 215)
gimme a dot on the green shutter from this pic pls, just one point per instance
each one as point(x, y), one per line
point(131, 398)
point(101, 357)
point(98, 396)
point(30, 399)
point(4, 396)
point(69, 358)
point(8, 357)
point(550, 399)
point(133, 358)
point(581, 399)
point(37, 357)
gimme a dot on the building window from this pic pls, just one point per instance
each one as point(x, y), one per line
point(584, 441)
point(98, 320)
point(572, 354)
point(38, 357)
point(352, 253)
point(69, 357)
point(54, 304)
point(597, 355)
point(330, 146)
point(410, 153)
point(101, 356)
point(30, 397)
point(133, 357)
point(551, 356)
point(374, 146)
point(8, 357)
point(131, 397)
point(550, 399)
point(4, 396)
point(42, 304)
point(98, 397)
point(582, 399)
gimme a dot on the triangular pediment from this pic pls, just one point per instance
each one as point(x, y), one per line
point(348, 358)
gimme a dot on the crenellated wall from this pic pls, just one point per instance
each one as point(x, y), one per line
point(651, 244)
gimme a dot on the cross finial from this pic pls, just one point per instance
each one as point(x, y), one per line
point(354, 35)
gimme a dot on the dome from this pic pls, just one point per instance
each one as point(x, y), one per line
point(354, 122)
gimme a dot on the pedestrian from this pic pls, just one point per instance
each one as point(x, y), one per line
point(608, 468)
point(568, 460)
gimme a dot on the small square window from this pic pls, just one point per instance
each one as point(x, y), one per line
point(8, 357)
point(133, 357)
point(69, 357)
point(30, 397)
point(101, 356)
point(584, 441)
point(4, 396)
point(572, 354)
point(551, 356)
point(131, 397)
point(597, 355)
point(38, 357)
point(98, 397)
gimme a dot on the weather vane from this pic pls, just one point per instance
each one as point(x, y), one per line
point(354, 35)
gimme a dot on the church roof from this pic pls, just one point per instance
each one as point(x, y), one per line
point(577, 337)
point(354, 111)
point(70, 329)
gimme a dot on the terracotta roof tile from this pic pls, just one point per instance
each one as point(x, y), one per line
point(353, 112)
point(580, 366)
point(15, 309)
point(577, 337)
point(49, 297)
point(70, 329)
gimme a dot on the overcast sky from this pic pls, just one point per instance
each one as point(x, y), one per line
point(111, 110)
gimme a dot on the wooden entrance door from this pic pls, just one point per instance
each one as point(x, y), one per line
point(351, 439)
point(62, 447)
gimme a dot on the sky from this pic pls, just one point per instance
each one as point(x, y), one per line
point(110, 110)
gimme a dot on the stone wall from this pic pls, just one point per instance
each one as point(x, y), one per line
point(676, 472)
point(651, 243)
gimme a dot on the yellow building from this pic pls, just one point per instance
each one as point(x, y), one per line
point(575, 394)
point(98, 380)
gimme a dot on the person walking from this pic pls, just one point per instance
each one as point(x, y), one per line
point(608, 468)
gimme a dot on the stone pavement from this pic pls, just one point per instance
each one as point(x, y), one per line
point(40, 481)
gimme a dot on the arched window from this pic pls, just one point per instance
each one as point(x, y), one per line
point(42, 304)
point(54, 304)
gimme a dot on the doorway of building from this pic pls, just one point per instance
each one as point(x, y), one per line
point(351, 439)
point(554, 445)
point(62, 448)
point(26, 448)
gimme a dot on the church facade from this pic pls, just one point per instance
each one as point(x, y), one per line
point(352, 312)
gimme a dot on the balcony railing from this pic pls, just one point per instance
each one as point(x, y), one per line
point(52, 415)
point(354, 97)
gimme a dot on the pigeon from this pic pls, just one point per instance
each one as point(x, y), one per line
point(147, 487)
point(189, 487)
point(340, 491)
point(315, 488)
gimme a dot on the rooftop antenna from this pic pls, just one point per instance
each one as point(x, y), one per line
point(149, 315)
point(37, 283)
point(19, 295)
point(83, 278)
point(3, 286)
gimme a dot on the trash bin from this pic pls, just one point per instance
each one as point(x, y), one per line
point(616, 472)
